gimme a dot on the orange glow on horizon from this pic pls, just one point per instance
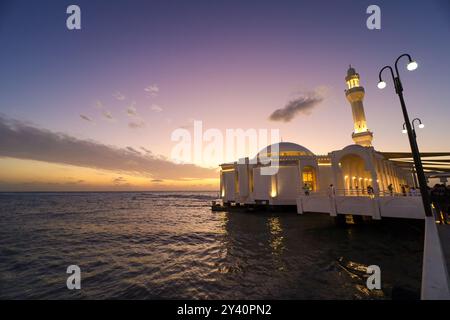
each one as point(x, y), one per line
point(29, 175)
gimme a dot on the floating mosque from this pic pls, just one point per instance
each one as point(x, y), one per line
point(353, 184)
point(356, 180)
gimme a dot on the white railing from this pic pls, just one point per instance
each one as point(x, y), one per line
point(395, 206)
point(361, 193)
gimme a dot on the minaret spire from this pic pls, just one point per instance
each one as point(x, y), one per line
point(355, 95)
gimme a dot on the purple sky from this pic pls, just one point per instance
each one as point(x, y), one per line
point(227, 63)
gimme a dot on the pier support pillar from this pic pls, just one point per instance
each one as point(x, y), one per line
point(333, 210)
point(299, 205)
point(376, 209)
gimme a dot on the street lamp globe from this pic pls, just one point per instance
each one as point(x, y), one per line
point(412, 66)
point(421, 126)
point(381, 85)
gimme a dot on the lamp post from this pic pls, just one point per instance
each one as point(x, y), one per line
point(421, 126)
point(412, 65)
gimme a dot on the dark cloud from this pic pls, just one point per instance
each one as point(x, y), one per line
point(157, 180)
point(136, 124)
point(146, 150)
point(84, 117)
point(131, 149)
point(302, 104)
point(24, 141)
point(119, 180)
point(107, 114)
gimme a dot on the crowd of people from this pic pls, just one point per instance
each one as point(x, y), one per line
point(408, 191)
point(439, 196)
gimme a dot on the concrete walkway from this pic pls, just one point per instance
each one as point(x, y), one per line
point(435, 277)
point(444, 235)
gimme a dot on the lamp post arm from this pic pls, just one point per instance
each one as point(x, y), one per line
point(381, 71)
point(416, 119)
point(396, 62)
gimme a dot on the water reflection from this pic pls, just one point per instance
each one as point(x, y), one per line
point(276, 242)
point(275, 235)
point(170, 245)
point(309, 257)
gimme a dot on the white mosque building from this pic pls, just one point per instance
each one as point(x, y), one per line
point(363, 179)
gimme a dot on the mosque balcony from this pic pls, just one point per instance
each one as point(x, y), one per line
point(354, 90)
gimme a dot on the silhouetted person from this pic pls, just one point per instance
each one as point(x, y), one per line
point(440, 201)
point(306, 189)
point(391, 189)
point(404, 190)
point(331, 191)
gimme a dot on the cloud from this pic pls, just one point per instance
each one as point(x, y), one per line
point(131, 109)
point(98, 104)
point(69, 181)
point(136, 124)
point(304, 103)
point(119, 96)
point(152, 89)
point(86, 118)
point(146, 150)
point(22, 140)
point(157, 180)
point(156, 108)
point(131, 149)
point(119, 180)
point(107, 114)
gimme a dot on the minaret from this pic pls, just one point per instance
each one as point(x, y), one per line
point(355, 95)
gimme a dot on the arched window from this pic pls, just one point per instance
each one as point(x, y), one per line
point(309, 177)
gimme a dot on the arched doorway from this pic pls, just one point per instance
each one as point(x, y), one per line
point(356, 177)
point(309, 177)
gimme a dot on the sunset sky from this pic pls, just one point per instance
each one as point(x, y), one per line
point(94, 109)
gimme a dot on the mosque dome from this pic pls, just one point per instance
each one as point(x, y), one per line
point(287, 149)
